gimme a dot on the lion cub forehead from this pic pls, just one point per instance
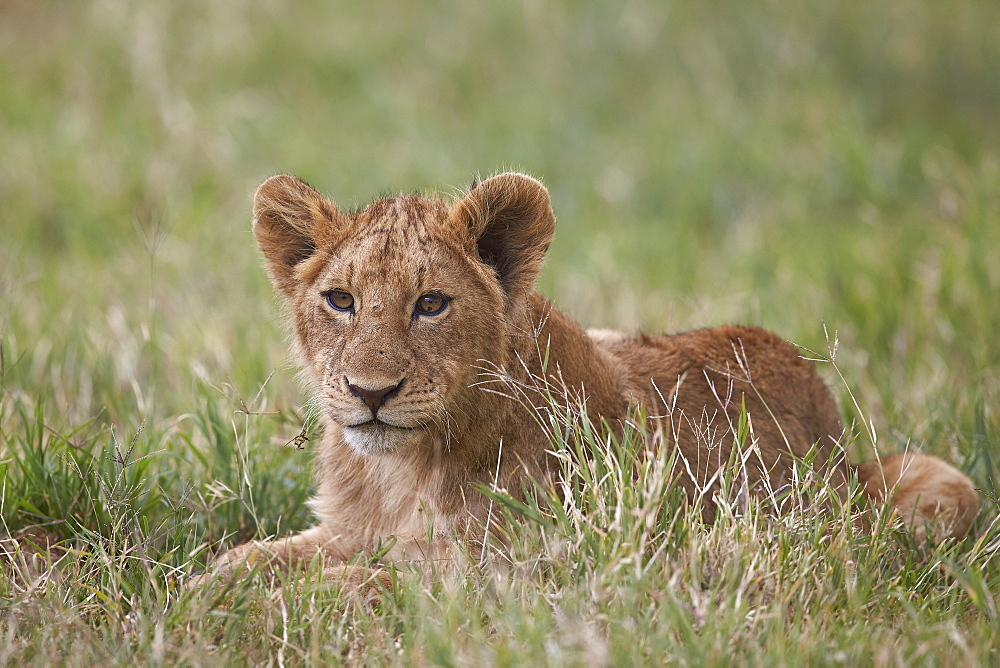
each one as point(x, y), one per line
point(406, 241)
point(407, 215)
point(405, 224)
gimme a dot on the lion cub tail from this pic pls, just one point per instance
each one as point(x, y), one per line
point(928, 493)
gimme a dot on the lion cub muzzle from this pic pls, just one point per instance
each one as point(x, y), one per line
point(377, 421)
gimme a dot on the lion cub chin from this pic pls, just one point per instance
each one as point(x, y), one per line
point(375, 438)
point(437, 366)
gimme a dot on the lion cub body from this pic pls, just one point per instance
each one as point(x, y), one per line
point(434, 361)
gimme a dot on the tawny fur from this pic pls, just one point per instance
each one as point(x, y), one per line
point(461, 387)
point(931, 496)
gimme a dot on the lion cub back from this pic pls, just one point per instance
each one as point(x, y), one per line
point(696, 384)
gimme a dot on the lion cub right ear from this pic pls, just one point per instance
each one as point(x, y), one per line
point(291, 220)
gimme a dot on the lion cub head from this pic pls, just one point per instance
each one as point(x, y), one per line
point(397, 308)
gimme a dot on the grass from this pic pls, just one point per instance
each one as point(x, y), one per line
point(811, 168)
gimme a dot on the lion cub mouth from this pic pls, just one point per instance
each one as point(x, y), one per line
point(375, 423)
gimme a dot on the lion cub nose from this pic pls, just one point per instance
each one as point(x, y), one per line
point(374, 399)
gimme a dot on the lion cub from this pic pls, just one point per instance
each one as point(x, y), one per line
point(418, 319)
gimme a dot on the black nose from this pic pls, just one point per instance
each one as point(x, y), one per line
point(374, 399)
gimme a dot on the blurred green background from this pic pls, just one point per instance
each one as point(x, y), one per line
point(828, 170)
point(791, 165)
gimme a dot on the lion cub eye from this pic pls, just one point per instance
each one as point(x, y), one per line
point(431, 304)
point(340, 301)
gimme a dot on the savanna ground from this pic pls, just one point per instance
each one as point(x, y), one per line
point(826, 170)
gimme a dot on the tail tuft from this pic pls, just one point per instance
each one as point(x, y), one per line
point(929, 494)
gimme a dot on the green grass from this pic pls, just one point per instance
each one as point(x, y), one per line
point(812, 167)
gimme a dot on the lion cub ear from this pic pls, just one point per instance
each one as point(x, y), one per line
point(291, 220)
point(510, 221)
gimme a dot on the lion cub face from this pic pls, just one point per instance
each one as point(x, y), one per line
point(398, 308)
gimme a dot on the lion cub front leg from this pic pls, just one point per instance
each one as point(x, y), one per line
point(275, 556)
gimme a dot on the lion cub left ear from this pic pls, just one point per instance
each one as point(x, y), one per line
point(510, 221)
point(291, 221)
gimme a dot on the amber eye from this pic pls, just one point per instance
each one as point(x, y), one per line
point(431, 304)
point(340, 301)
